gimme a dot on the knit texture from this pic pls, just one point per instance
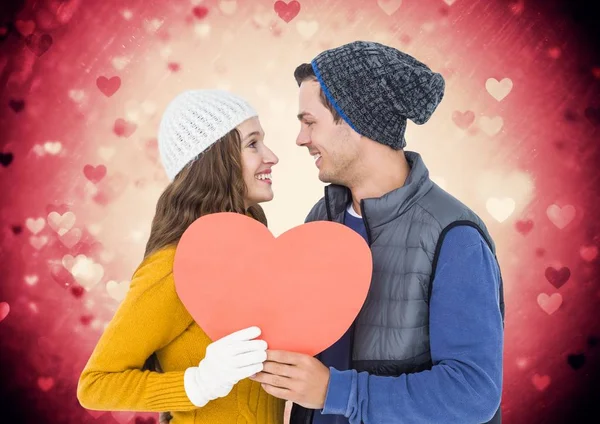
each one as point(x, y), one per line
point(376, 88)
point(195, 120)
point(150, 319)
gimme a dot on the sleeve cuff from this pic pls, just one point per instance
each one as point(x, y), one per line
point(338, 392)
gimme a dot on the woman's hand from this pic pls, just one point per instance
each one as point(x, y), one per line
point(227, 361)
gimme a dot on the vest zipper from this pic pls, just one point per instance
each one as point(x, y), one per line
point(327, 204)
point(364, 218)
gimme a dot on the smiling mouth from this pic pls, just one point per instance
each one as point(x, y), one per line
point(265, 178)
point(317, 158)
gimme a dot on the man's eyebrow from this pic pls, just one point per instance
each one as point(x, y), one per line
point(252, 134)
point(301, 115)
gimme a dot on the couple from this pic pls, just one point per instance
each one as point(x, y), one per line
point(427, 344)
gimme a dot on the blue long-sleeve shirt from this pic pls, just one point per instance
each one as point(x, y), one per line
point(466, 338)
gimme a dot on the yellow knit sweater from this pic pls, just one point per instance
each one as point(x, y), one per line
point(150, 319)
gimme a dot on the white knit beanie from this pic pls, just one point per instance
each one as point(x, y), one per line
point(194, 121)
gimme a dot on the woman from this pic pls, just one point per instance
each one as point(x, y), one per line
point(211, 146)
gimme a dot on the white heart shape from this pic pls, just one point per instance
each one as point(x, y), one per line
point(94, 229)
point(307, 28)
point(107, 256)
point(86, 272)
point(35, 225)
point(38, 149)
point(148, 107)
point(389, 6)
point(165, 52)
point(31, 280)
point(428, 26)
point(53, 147)
point(106, 153)
point(117, 290)
point(228, 7)
point(77, 95)
point(68, 261)
point(61, 223)
point(71, 237)
point(202, 30)
point(152, 25)
point(491, 125)
point(561, 217)
point(500, 209)
point(120, 62)
point(499, 89)
point(262, 19)
point(549, 304)
point(38, 241)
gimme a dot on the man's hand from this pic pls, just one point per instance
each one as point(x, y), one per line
point(296, 377)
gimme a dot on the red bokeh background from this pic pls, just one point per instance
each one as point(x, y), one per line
point(82, 85)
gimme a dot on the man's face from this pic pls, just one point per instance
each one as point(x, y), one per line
point(334, 146)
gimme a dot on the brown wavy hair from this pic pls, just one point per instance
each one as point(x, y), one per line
point(211, 183)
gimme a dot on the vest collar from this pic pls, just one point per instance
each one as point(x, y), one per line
point(381, 210)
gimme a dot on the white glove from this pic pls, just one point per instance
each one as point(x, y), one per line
point(227, 361)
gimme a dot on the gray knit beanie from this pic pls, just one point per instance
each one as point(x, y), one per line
point(376, 88)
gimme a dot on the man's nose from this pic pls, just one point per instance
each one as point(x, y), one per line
point(302, 138)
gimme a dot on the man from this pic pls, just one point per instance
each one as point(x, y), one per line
point(427, 344)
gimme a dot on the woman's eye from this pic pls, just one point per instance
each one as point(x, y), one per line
point(252, 144)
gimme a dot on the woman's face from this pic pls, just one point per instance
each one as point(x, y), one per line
point(257, 161)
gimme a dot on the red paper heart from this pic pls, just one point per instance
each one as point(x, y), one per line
point(524, 226)
point(86, 319)
point(557, 277)
point(200, 12)
point(588, 253)
point(16, 105)
point(303, 289)
point(45, 383)
point(110, 188)
point(4, 310)
point(39, 44)
point(107, 86)
point(94, 173)
point(61, 275)
point(77, 291)
point(463, 120)
point(6, 159)
point(541, 382)
point(517, 7)
point(287, 11)
point(25, 27)
point(123, 128)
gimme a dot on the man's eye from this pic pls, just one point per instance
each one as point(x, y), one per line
point(308, 124)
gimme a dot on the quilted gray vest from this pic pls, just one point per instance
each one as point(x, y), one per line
point(405, 228)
